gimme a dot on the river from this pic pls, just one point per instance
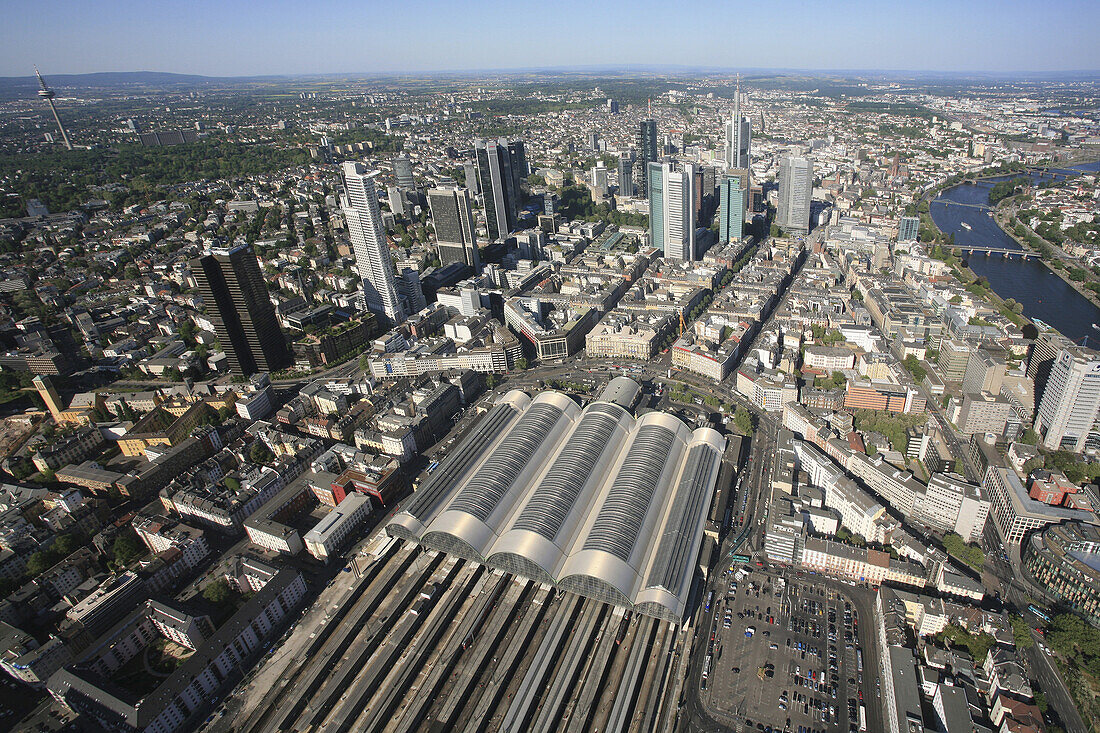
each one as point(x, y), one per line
point(1043, 294)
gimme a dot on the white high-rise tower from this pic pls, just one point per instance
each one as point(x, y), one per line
point(1071, 401)
point(368, 241)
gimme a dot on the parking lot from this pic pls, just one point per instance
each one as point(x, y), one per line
point(787, 655)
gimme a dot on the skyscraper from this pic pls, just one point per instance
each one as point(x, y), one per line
point(1071, 400)
point(796, 187)
point(738, 134)
point(646, 145)
point(626, 174)
point(454, 226)
point(410, 290)
point(49, 396)
point(500, 168)
point(397, 200)
point(469, 170)
point(403, 171)
point(235, 294)
point(672, 209)
point(908, 228)
point(368, 242)
point(732, 201)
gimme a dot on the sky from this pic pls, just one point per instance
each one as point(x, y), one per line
point(233, 38)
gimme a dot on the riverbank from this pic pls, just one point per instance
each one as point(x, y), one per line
point(1001, 219)
point(967, 277)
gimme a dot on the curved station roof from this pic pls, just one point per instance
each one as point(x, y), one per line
point(593, 500)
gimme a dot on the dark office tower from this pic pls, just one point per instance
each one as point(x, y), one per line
point(519, 164)
point(499, 169)
point(403, 171)
point(235, 294)
point(454, 226)
point(647, 153)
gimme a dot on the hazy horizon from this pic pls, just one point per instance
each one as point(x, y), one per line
point(282, 38)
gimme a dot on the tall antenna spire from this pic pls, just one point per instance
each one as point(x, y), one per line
point(737, 101)
point(46, 93)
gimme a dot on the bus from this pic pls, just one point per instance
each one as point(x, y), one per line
point(706, 667)
point(859, 660)
point(710, 597)
point(1038, 613)
point(862, 717)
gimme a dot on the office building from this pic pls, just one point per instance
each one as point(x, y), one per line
point(403, 172)
point(469, 172)
point(671, 188)
point(368, 242)
point(984, 372)
point(738, 135)
point(908, 228)
point(626, 174)
point(1065, 559)
point(500, 168)
point(454, 226)
point(397, 200)
point(1015, 513)
point(1068, 410)
point(796, 185)
point(50, 397)
point(410, 291)
point(646, 145)
point(733, 199)
point(235, 294)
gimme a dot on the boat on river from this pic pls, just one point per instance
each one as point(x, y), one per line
point(966, 226)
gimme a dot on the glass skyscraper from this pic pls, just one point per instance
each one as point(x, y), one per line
point(646, 145)
point(672, 209)
point(235, 294)
point(732, 201)
point(454, 226)
point(501, 166)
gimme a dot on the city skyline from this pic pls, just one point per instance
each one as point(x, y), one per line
point(289, 39)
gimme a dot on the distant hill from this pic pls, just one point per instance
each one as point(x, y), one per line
point(24, 86)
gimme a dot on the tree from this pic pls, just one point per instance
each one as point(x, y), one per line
point(742, 420)
point(187, 331)
point(127, 547)
point(913, 367)
point(218, 592)
point(969, 554)
point(260, 453)
point(1021, 632)
point(521, 364)
point(1030, 437)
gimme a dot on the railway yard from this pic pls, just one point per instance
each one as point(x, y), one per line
point(424, 641)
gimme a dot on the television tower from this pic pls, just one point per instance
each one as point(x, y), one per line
point(46, 93)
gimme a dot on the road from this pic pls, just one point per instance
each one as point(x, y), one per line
point(1016, 587)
